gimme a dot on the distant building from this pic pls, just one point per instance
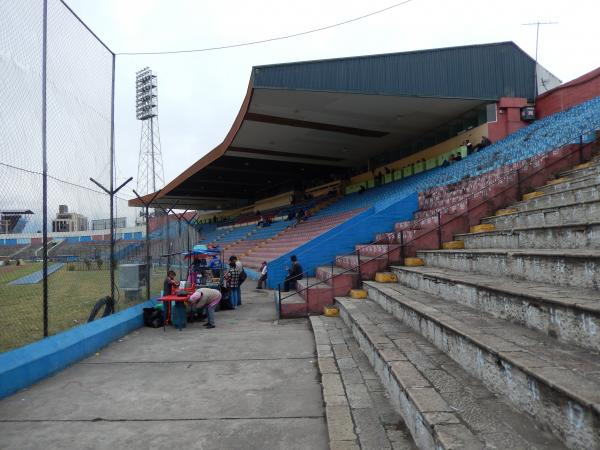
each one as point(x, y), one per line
point(104, 224)
point(14, 221)
point(66, 221)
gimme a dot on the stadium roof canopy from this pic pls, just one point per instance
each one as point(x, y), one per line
point(308, 120)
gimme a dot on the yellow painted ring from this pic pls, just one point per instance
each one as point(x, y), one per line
point(482, 228)
point(385, 277)
point(412, 262)
point(453, 245)
point(358, 293)
point(505, 211)
point(331, 311)
point(533, 195)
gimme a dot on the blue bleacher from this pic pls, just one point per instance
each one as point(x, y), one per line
point(541, 136)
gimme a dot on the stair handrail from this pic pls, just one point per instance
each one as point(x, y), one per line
point(528, 162)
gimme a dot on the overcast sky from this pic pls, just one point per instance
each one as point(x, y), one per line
point(200, 94)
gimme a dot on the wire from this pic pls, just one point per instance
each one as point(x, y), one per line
point(263, 41)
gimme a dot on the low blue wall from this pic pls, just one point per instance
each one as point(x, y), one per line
point(24, 366)
point(342, 238)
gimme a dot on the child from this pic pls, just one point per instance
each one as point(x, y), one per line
point(170, 283)
point(209, 298)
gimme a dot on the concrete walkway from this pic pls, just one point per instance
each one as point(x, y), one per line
point(250, 383)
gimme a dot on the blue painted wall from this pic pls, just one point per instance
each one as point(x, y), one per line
point(24, 366)
point(342, 238)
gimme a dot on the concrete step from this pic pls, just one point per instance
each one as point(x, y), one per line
point(342, 279)
point(570, 315)
point(571, 183)
point(369, 266)
point(561, 197)
point(568, 235)
point(578, 268)
point(391, 252)
point(316, 293)
point(557, 384)
point(572, 213)
point(359, 412)
point(443, 406)
point(593, 169)
point(292, 305)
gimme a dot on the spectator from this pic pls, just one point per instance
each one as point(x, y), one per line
point(485, 142)
point(469, 146)
point(458, 157)
point(379, 179)
point(170, 283)
point(452, 158)
point(294, 274)
point(362, 189)
point(209, 299)
point(387, 170)
point(240, 268)
point(263, 275)
point(261, 222)
point(445, 163)
point(291, 215)
point(232, 279)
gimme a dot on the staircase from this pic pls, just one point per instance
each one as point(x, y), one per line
point(494, 341)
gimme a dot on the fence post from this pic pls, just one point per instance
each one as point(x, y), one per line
point(402, 247)
point(439, 229)
point(580, 149)
point(519, 192)
point(44, 171)
point(148, 259)
point(360, 284)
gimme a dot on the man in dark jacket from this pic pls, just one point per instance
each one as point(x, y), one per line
point(294, 273)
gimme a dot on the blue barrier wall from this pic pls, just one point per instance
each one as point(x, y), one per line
point(342, 238)
point(24, 366)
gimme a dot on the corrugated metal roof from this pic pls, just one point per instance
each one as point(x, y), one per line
point(486, 72)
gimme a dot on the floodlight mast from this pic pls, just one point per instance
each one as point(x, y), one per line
point(150, 167)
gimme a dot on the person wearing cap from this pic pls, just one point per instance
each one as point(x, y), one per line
point(263, 275)
point(209, 299)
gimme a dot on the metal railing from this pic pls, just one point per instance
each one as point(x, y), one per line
point(402, 245)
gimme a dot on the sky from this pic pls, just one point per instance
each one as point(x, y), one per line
point(200, 94)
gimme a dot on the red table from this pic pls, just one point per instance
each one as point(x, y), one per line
point(167, 299)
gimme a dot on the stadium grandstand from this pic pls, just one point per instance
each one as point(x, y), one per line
point(486, 262)
point(444, 205)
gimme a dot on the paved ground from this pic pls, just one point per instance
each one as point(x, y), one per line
point(248, 384)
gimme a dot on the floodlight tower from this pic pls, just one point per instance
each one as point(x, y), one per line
point(151, 174)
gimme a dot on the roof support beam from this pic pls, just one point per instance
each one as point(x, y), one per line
point(264, 118)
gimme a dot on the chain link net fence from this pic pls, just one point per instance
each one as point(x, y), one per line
point(46, 163)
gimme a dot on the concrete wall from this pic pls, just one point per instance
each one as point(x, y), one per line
point(569, 94)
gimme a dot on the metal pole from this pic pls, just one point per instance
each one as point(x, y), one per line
point(148, 261)
point(580, 149)
point(439, 229)
point(112, 182)
point(359, 269)
point(152, 152)
point(519, 192)
point(402, 246)
point(44, 170)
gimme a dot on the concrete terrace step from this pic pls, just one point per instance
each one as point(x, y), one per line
point(443, 406)
point(316, 293)
point(578, 268)
point(369, 265)
point(555, 215)
point(571, 182)
point(568, 235)
point(562, 197)
point(342, 279)
point(292, 305)
point(357, 407)
point(391, 252)
point(594, 169)
point(570, 315)
point(557, 384)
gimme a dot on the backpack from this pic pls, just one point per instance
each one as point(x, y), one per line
point(243, 276)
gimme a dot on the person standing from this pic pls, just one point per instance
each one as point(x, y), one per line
point(294, 274)
point(263, 275)
point(242, 275)
point(232, 278)
point(170, 283)
point(209, 299)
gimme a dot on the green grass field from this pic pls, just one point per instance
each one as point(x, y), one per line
point(72, 294)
